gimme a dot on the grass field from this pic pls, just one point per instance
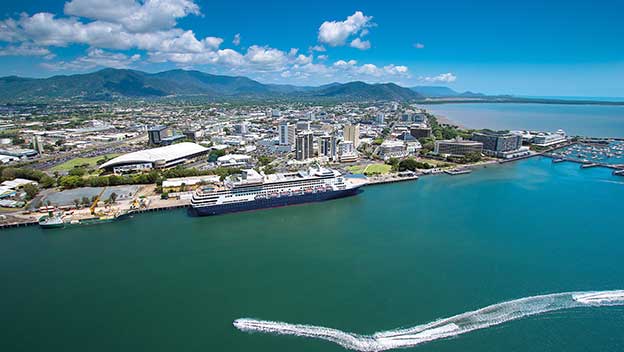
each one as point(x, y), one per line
point(70, 164)
point(370, 169)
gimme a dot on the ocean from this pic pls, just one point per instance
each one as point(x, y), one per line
point(396, 255)
point(583, 120)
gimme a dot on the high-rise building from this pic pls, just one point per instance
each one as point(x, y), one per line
point(496, 142)
point(304, 146)
point(379, 118)
point(328, 146)
point(286, 133)
point(351, 133)
point(420, 131)
point(241, 128)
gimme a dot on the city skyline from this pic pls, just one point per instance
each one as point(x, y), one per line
point(527, 49)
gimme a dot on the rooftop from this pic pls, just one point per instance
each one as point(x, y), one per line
point(168, 153)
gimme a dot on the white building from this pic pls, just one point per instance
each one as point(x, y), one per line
point(393, 149)
point(233, 160)
point(156, 158)
point(286, 133)
point(545, 139)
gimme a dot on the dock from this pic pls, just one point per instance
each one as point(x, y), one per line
point(385, 180)
point(455, 172)
point(18, 224)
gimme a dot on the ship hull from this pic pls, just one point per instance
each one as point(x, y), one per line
point(271, 202)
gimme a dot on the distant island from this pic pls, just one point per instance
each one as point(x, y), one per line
point(122, 84)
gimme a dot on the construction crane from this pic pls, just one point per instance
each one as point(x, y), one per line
point(95, 202)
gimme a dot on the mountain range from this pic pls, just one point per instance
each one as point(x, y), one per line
point(109, 84)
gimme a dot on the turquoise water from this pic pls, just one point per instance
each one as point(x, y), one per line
point(396, 255)
point(584, 120)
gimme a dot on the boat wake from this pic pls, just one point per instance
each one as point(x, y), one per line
point(444, 328)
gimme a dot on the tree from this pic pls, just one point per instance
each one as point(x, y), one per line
point(412, 164)
point(31, 190)
point(472, 157)
point(394, 162)
point(77, 171)
point(264, 160)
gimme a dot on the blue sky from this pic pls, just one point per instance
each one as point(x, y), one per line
point(529, 48)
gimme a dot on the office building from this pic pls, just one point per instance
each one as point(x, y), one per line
point(156, 134)
point(347, 152)
point(498, 143)
point(380, 118)
point(328, 146)
point(544, 139)
point(303, 125)
point(419, 131)
point(241, 128)
point(162, 135)
point(304, 146)
point(457, 147)
point(413, 117)
point(392, 149)
point(286, 133)
point(351, 133)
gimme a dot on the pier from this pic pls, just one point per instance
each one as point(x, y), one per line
point(392, 179)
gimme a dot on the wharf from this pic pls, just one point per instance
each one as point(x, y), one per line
point(18, 224)
point(384, 180)
point(455, 172)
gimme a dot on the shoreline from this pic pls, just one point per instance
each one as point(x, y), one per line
point(155, 203)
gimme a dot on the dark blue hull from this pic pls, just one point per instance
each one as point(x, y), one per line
point(271, 202)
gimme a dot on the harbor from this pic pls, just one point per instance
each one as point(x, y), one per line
point(607, 153)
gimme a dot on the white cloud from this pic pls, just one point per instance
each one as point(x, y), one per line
point(318, 48)
point(441, 78)
point(95, 58)
point(395, 70)
point(25, 49)
point(360, 44)
point(336, 33)
point(343, 63)
point(265, 58)
point(419, 45)
point(237, 39)
point(350, 70)
point(134, 16)
point(322, 57)
point(303, 60)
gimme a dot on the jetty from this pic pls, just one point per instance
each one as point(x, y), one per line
point(391, 179)
point(455, 172)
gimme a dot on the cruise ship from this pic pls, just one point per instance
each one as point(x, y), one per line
point(251, 190)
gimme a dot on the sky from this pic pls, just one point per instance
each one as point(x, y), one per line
point(530, 47)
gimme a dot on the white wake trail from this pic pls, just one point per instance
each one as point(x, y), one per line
point(444, 328)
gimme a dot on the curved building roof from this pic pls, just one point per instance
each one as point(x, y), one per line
point(166, 154)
